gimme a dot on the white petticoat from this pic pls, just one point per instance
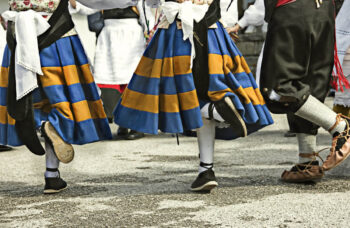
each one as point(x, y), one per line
point(343, 98)
point(119, 49)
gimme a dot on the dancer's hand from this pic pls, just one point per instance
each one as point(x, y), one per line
point(3, 23)
point(73, 3)
point(233, 29)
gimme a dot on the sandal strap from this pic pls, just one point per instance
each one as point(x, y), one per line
point(211, 110)
point(313, 155)
point(337, 121)
point(52, 169)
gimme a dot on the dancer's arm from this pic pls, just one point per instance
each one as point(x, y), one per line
point(111, 4)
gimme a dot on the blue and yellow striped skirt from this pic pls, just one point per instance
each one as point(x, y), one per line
point(162, 96)
point(67, 96)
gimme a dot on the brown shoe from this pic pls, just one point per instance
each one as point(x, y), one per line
point(304, 172)
point(340, 146)
point(64, 151)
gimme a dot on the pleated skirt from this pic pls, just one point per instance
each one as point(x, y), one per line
point(162, 96)
point(67, 96)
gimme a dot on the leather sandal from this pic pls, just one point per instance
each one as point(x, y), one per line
point(340, 145)
point(304, 172)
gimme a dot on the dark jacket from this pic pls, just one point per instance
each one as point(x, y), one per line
point(270, 5)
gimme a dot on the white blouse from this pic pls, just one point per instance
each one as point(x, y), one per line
point(254, 15)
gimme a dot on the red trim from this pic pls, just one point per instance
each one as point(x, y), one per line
point(284, 2)
point(120, 88)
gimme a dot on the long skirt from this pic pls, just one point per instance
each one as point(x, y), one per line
point(162, 95)
point(67, 96)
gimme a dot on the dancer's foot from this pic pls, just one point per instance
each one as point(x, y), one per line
point(303, 173)
point(64, 151)
point(289, 134)
point(4, 148)
point(205, 181)
point(122, 132)
point(340, 145)
point(134, 135)
point(54, 184)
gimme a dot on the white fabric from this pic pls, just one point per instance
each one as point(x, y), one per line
point(52, 161)
point(307, 145)
point(28, 26)
point(216, 115)
point(187, 12)
point(112, 4)
point(320, 114)
point(229, 15)
point(119, 49)
point(206, 142)
point(254, 15)
point(81, 9)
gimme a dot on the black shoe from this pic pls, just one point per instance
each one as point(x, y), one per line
point(230, 114)
point(54, 184)
point(134, 135)
point(290, 134)
point(4, 148)
point(205, 181)
point(122, 131)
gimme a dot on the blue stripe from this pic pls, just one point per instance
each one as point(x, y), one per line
point(3, 96)
point(164, 85)
point(8, 135)
point(61, 53)
point(141, 121)
point(218, 82)
point(76, 93)
point(6, 57)
point(80, 132)
point(168, 43)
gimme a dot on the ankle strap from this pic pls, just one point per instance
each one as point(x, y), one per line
point(211, 110)
point(51, 170)
point(202, 164)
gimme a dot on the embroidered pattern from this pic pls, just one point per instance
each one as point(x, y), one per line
point(48, 6)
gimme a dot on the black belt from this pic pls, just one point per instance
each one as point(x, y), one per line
point(22, 110)
point(120, 13)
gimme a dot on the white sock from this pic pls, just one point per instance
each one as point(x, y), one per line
point(206, 141)
point(216, 115)
point(318, 113)
point(307, 145)
point(52, 161)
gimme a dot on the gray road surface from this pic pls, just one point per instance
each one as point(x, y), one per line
point(145, 183)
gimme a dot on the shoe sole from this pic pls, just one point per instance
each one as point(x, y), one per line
point(336, 164)
point(206, 187)
point(234, 121)
point(53, 191)
point(64, 151)
point(304, 180)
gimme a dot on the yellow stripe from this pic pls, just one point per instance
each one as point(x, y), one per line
point(140, 101)
point(260, 97)
point(168, 103)
point(5, 118)
point(163, 102)
point(4, 74)
point(218, 95)
point(43, 105)
point(246, 95)
point(82, 110)
point(188, 100)
point(223, 64)
point(167, 67)
point(67, 75)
